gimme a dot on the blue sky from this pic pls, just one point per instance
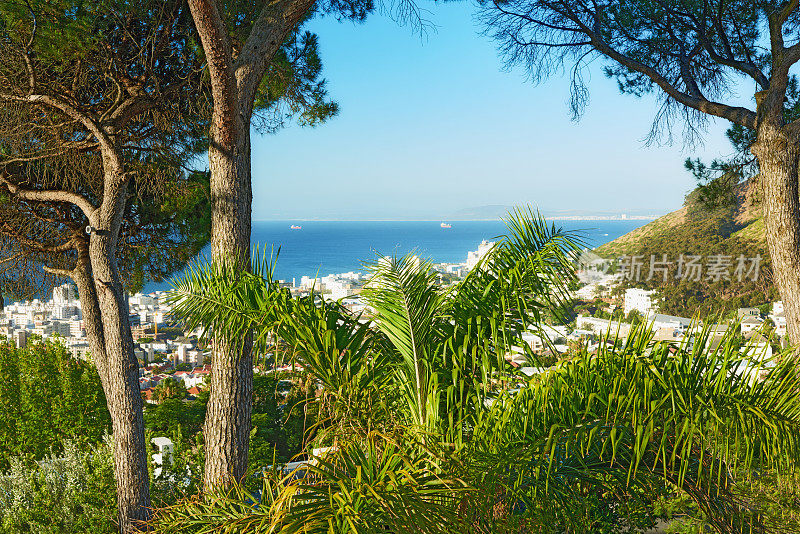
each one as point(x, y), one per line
point(431, 126)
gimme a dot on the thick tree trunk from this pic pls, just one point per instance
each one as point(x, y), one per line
point(227, 428)
point(106, 319)
point(777, 156)
point(234, 84)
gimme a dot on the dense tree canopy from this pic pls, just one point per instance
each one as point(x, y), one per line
point(50, 159)
point(46, 398)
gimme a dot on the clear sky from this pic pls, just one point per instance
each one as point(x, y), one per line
point(431, 126)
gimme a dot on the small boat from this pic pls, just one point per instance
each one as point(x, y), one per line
point(446, 225)
point(295, 227)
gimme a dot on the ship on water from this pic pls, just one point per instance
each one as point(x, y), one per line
point(295, 227)
point(446, 225)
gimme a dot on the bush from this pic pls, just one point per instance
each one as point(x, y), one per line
point(72, 492)
point(46, 398)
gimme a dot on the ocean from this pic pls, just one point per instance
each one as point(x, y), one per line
point(329, 247)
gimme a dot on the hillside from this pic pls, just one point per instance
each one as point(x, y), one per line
point(742, 219)
point(728, 225)
point(631, 242)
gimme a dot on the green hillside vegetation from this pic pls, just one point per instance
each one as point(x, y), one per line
point(719, 218)
point(632, 241)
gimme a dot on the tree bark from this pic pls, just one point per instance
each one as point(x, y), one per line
point(234, 84)
point(106, 320)
point(227, 427)
point(778, 155)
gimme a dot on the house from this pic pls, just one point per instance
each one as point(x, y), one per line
point(750, 323)
point(530, 371)
point(534, 341)
point(668, 334)
point(778, 318)
point(661, 320)
point(147, 395)
point(741, 313)
point(602, 326)
point(80, 350)
point(780, 324)
point(759, 353)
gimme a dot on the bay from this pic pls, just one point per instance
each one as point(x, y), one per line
point(329, 247)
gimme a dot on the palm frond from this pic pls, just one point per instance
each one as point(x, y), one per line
point(228, 302)
point(685, 414)
point(407, 304)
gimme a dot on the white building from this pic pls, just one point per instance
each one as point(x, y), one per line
point(65, 311)
point(640, 300)
point(186, 353)
point(778, 318)
point(22, 319)
point(750, 323)
point(79, 350)
point(602, 326)
point(75, 328)
point(164, 453)
point(62, 328)
point(142, 300)
point(660, 320)
point(780, 324)
point(475, 256)
point(62, 294)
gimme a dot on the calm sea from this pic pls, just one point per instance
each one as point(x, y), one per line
point(328, 247)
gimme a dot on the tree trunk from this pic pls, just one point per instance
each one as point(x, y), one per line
point(227, 428)
point(777, 156)
point(106, 319)
point(234, 84)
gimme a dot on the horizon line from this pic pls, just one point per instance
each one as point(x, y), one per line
point(492, 219)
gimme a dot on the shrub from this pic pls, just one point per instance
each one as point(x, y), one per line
point(72, 492)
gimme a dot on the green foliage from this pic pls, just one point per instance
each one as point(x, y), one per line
point(649, 415)
point(602, 443)
point(714, 191)
point(169, 388)
point(279, 422)
point(46, 398)
point(430, 343)
point(280, 419)
point(175, 416)
point(178, 220)
point(718, 181)
point(70, 492)
point(377, 485)
point(591, 445)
